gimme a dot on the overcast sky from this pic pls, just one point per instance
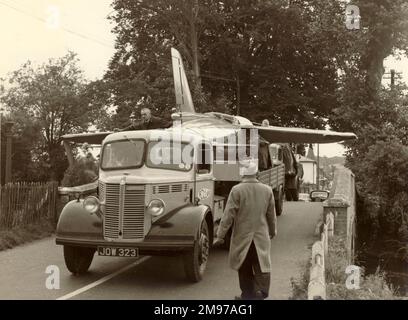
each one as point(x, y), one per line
point(42, 29)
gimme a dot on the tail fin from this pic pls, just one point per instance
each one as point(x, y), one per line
point(183, 95)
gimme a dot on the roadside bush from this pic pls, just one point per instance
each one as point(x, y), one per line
point(300, 285)
point(82, 172)
point(336, 261)
point(372, 287)
point(20, 235)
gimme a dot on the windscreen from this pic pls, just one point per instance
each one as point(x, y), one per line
point(123, 154)
point(170, 155)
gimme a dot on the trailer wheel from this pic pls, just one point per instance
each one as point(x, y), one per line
point(279, 202)
point(195, 261)
point(78, 259)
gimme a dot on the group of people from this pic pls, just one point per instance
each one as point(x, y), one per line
point(147, 122)
point(250, 210)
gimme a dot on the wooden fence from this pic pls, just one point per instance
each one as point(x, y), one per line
point(22, 204)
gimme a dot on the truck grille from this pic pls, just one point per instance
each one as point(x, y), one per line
point(124, 211)
point(166, 188)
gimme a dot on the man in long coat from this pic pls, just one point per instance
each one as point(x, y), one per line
point(251, 210)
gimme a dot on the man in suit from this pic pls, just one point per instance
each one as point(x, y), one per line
point(148, 122)
point(250, 210)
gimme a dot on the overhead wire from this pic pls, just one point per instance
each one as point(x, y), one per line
point(73, 32)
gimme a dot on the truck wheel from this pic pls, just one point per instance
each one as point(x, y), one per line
point(195, 261)
point(279, 202)
point(78, 259)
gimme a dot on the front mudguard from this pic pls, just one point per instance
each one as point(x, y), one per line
point(184, 222)
point(75, 222)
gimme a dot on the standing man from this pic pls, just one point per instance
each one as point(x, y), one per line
point(148, 122)
point(250, 210)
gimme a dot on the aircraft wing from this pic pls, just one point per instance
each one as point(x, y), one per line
point(300, 135)
point(91, 138)
point(183, 95)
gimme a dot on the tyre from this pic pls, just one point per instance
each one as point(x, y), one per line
point(195, 261)
point(78, 259)
point(279, 202)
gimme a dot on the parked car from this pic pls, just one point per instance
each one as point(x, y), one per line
point(319, 195)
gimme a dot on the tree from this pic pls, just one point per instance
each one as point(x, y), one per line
point(140, 72)
point(52, 99)
point(379, 118)
point(242, 56)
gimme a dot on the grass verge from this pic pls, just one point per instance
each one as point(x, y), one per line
point(301, 283)
point(20, 235)
point(371, 287)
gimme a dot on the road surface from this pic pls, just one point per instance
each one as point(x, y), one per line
point(23, 269)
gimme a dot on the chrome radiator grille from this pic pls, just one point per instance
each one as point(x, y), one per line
point(124, 211)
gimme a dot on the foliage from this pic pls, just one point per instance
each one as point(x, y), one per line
point(379, 160)
point(279, 59)
point(378, 115)
point(82, 172)
point(23, 234)
point(300, 284)
point(336, 261)
point(372, 287)
point(46, 102)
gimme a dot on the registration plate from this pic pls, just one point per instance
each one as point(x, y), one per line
point(118, 252)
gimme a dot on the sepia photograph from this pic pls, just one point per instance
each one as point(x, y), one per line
point(203, 155)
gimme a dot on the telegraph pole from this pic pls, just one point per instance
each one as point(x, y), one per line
point(318, 167)
point(392, 76)
point(9, 137)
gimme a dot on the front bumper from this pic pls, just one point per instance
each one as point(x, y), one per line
point(152, 245)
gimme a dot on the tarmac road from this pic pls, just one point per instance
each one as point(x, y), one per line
point(23, 269)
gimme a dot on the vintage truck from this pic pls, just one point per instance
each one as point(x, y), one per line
point(138, 207)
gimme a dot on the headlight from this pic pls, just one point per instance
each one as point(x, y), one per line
point(156, 207)
point(92, 204)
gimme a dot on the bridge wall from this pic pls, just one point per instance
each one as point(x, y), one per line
point(339, 218)
point(342, 203)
